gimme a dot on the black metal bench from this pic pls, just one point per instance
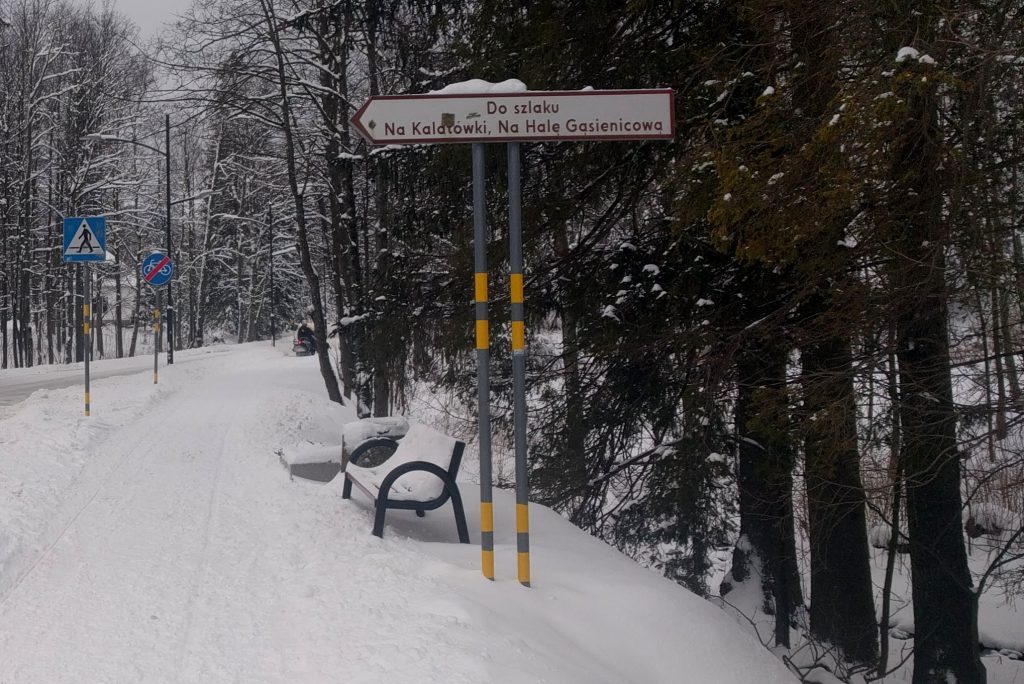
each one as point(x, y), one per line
point(378, 480)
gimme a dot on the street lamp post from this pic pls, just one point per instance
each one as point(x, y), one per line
point(270, 228)
point(166, 153)
point(102, 137)
point(170, 254)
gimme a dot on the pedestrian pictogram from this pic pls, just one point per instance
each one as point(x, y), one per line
point(85, 239)
point(157, 269)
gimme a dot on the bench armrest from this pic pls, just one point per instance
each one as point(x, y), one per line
point(414, 466)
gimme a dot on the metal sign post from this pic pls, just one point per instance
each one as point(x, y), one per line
point(273, 301)
point(85, 240)
point(157, 270)
point(511, 118)
point(483, 358)
point(167, 200)
point(156, 336)
point(87, 332)
point(515, 245)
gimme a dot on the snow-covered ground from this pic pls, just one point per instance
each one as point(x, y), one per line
point(161, 541)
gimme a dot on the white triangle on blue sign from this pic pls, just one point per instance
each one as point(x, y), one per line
point(84, 242)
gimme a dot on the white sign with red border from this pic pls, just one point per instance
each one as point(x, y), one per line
point(525, 116)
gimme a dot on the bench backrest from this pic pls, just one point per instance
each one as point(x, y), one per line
point(420, 444)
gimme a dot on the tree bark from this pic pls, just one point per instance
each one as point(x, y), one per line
point(945, 617)
point(842, 603)
point(320, 333)
point(767, 551)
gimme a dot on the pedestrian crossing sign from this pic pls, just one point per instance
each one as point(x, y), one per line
point(85, 239)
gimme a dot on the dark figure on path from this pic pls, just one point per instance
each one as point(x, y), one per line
point(305, 335)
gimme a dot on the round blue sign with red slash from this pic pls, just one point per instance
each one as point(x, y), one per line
point(157, 269)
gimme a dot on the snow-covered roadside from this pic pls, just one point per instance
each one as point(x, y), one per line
point(17, 384)
point(1001, 630)
point(160, 540)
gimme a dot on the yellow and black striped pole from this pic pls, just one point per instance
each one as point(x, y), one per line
point(483, 355)
point(87, 331)
point(515, 240)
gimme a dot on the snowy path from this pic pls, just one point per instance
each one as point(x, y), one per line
point(161, 541)
point(179, 568)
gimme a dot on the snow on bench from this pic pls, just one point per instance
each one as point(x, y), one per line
point(419, 476)
point(359, 431)
point(312, 461)
point(323, 462)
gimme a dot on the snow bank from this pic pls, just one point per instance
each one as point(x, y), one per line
point(880, 536)
point(989, 518)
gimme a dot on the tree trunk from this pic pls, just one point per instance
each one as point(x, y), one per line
point(946, 634)
point(238, 289)
point(138, 298)
point(767, 551)
point(842, 603)
point(322, 351)
point(203, 278)
point(574, 457)
point(118, 305)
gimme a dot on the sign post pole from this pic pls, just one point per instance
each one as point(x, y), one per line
point(515, 243)
point(87, 329)
point(156, 337)
point(85, 240)
point(273, 301)
point(483, 356)
point(157, 270)
point(170, 254)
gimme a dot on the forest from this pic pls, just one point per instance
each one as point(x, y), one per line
point(784, 341)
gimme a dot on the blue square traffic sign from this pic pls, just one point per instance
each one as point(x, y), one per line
point(85, 238)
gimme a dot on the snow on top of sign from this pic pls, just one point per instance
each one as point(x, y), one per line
point(479, 86)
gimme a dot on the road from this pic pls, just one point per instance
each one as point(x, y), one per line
point(19, 383)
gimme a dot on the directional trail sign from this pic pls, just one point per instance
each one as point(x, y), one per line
point(157, 269)
point(524, 116)
point(458, 116)
point(85, 239)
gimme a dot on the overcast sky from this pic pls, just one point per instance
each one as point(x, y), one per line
point(151, 14)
